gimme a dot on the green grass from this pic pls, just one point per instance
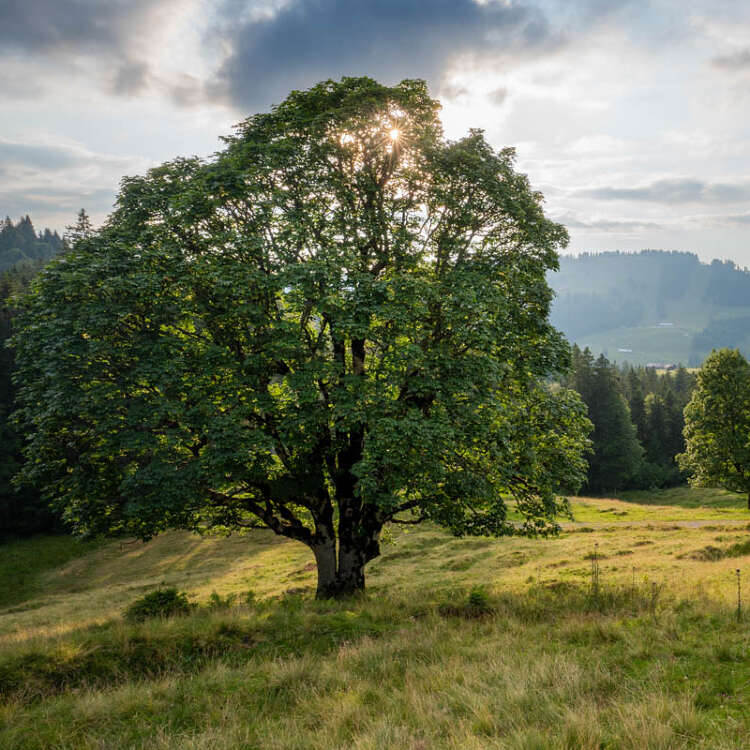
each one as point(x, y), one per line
point(458, 643)
point(24, 564)
point(688, 497)
point(664, 506)
point(648, 343)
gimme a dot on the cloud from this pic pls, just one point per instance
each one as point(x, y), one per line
point(57, 200)
point(678, 190)
point(734, 62)
point(131, 78)
point(733, 220)
point(310, 40)
point(608, 225)
point(36, 155)
point(53, 156)
point(51, 180)
point(498, 96)
point(110, 42)
point(47, 25)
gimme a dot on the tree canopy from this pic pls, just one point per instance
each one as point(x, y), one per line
point(717, 424)
point(337, 322)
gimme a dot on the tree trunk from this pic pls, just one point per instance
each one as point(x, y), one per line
point(325, 560)
point(337, 581)
point(351, 571)
point(748, 500)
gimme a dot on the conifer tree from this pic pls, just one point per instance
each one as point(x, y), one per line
point(81, 230)
point(617, 456)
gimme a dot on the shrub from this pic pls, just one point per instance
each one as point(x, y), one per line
point(479, 600)
point(739, 549)
point(159, 603)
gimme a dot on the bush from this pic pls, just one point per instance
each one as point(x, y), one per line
point(160, 603)
point(479, 600)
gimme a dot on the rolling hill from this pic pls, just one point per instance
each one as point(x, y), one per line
point(652, 306)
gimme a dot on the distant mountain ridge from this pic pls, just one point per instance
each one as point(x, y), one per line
point(653, 306)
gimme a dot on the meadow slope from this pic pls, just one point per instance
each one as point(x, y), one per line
point(459, 643)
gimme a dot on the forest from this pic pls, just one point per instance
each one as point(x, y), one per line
point(20, 245)
point(637, 413)
point(23, 253)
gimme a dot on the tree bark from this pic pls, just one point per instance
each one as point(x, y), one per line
point(341, 568)
point(748, 500)
point(325, 560)
point(337, 581)
point(351, 573)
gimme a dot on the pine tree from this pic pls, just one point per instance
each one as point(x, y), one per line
point(81, 230)
point(26, 232)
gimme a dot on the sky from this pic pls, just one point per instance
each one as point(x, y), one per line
point(631, 116)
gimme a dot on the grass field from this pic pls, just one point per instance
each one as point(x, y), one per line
point(458, 643)
point(646, 343)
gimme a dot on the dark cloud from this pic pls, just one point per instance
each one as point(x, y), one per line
point(47, 25)
point(674, 191)
point(310, 40)
point(734, 62)
point(61, 32)
point(130, 79)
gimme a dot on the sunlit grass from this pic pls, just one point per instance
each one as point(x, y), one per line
point(666, 506)
point(689, 497)
point(655, 659)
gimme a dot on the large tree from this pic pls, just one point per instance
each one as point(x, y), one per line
point(338, 322)
point(717, 424)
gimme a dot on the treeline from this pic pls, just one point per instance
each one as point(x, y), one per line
point(20, 244)
point(21, 511)
point(638, 421)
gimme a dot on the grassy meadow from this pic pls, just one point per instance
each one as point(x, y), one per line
point(458, 643)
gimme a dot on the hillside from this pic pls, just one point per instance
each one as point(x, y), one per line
point(652, 306)
point(534, 657)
